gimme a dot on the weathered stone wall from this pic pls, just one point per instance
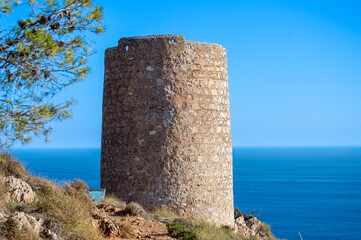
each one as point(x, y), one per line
point(166, 137)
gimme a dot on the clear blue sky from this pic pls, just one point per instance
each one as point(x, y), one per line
point(294, 67)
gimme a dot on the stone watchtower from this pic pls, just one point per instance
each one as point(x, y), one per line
point(166, 138)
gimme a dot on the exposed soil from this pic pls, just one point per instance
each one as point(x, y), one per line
point(146, 229)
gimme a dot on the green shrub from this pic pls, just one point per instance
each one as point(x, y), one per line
point(252, 238)
point(180, 231)
point(184, 228)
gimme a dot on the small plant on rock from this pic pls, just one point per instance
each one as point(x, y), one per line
point(237, 213)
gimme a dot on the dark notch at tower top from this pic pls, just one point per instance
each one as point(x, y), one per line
point(161, 36)
point(171, 38)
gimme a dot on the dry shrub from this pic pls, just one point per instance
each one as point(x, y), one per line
point(71, 209)
point(24, 234)
point(9, 228)
point(134, 209)
point(127, 230)
point(79, 188)
point(41, 185)
point(79, 185)
point(113, 201)
point(70, 206)
point(266, 230)
point(11, 167)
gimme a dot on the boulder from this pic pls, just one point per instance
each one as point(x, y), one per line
point(51, 235)
point(3, 227)
point(253, 223)
point(37, 224)
point(248, 226)
point(3, 217)
point(49, 223)
point(19, 190)
point(240, 221)
point(25, 221)
point(107, 226)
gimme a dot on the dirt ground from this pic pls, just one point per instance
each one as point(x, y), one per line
point(146, 229)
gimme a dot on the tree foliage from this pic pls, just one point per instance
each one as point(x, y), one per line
point(39, 56)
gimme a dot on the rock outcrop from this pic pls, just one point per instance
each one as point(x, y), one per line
point(35, 224)
point(248, 226)
point(105, 224)
point(19, 190)
point(28, 222)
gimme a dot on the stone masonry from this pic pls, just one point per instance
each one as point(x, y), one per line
point(166, 138)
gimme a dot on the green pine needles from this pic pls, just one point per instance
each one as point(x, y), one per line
point(39, 56)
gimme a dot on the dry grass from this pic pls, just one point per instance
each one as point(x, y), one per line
point(205, 231)
point(69, 205)
point(164, 215)
point(14, 233)
point(113, 201)
point(41, 185)
point(3, 192)
point(266, 229)
point(78, 189)
point(78, 185)
point(24, 234)
point(134, 209)
point(70, 208)
point(127, 230)
point(11, 167)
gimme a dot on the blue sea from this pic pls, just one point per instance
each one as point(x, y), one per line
point(312, 191)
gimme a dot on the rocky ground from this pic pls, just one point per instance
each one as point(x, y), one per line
point(32, 208)
point(109, 221)
point(245, 225)
point(109, 218)
point(248, 226)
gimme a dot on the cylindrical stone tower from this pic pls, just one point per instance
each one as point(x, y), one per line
point(166, 137)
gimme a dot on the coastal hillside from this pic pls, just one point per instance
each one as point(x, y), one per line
point(33, 208)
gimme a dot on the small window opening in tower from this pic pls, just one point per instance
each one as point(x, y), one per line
point(173, 41)
point(126, 48)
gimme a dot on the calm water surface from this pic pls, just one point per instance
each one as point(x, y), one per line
point(314, 191)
